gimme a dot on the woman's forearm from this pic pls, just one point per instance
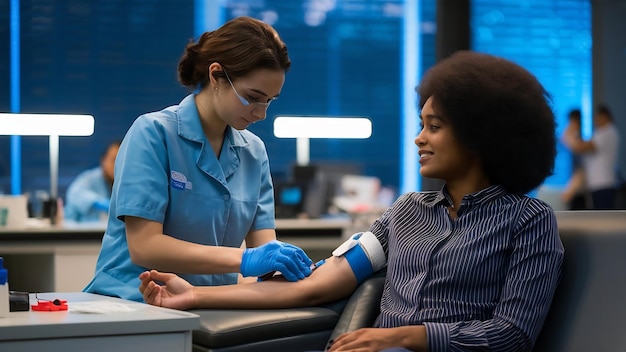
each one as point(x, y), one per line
point(331, 281)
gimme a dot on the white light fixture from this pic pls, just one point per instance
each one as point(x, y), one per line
point(52, 125)
point(305, 127)
point(46, 125)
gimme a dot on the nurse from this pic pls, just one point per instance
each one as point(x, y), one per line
point(191, 183)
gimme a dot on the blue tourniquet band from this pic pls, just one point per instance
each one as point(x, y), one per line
point(359, 262)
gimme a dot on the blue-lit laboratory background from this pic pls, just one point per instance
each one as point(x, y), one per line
point(118, 59)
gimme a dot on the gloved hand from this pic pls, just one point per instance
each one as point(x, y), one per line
point(102, 205)
point(290, 260)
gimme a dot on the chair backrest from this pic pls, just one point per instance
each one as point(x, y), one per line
point(588, 312)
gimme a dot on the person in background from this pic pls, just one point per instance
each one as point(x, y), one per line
point(574, 195)
point(472, 266)
point(88, 196)
point(599, 159)
point(192, 183)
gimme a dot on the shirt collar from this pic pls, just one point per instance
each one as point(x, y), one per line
point(483, 196)
point(189, 125)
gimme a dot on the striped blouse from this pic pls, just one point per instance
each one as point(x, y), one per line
point(482, 281)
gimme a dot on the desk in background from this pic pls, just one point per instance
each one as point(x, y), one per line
point(62, 258)
point(318, 237)
point(142, 328)
point(45, 258)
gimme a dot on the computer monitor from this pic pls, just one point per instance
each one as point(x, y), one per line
point(288, 198)
point(321, 183)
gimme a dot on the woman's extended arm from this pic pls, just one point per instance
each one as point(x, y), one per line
point(331, 281)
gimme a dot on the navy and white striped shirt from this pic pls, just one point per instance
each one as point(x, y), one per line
point(482, 281)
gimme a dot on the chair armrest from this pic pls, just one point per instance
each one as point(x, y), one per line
point(232, 327)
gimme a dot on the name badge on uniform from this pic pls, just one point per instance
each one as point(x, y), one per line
point(179, 181)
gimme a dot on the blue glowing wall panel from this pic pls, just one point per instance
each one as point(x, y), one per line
point(345, 61)
point(5, 94)
point(118, 60)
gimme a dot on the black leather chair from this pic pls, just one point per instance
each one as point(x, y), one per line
point(263, 330)
point(292, 330)
point(588, 312)
point(362, 308)
point(266, 330)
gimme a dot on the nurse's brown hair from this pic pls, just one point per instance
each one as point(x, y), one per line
point(241, 45)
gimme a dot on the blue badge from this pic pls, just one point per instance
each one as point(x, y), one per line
point(179, 181)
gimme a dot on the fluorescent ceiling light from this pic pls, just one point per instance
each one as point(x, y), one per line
point(46, 125)
point(51, 125)
point(322, 127)
point(302, 128)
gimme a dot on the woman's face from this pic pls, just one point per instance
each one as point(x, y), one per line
point(257, 90)
point(441, 155)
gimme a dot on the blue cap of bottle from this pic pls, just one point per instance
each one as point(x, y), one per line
point(3, 272)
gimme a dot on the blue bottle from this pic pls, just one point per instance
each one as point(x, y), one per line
point(4, 290)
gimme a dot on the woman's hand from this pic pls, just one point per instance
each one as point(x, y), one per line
point(174, 293)
point(378, 339)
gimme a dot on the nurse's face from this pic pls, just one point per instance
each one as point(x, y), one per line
point(249, 97)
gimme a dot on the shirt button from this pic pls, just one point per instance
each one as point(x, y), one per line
point(226, 197)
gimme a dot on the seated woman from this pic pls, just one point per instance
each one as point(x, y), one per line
point(473, 266)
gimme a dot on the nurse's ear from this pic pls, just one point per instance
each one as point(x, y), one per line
point(215, 72)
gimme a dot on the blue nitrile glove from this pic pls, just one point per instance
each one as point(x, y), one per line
point(290, 260)
point(102, 205)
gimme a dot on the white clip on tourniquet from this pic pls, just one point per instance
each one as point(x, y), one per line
point(364, 253)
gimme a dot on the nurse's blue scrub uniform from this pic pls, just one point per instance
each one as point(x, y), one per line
point(166, 171)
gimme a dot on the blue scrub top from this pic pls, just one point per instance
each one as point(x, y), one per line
point(166, 171)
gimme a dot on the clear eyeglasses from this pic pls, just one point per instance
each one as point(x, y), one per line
point(245, 101)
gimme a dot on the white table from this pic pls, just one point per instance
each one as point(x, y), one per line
point(144, 328)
